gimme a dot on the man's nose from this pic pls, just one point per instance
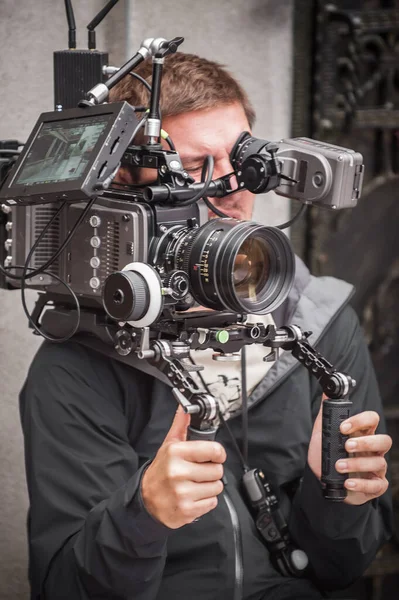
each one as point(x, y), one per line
point(222, 168)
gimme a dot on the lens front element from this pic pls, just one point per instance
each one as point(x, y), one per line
point(251, 269)
point(238, 265)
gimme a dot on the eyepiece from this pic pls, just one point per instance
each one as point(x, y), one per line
point(255, 163)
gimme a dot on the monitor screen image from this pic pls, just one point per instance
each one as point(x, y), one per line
point(61, 151)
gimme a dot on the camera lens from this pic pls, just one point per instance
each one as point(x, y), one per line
point(237, 265)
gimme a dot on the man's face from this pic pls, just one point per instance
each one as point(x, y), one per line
point(199, 133)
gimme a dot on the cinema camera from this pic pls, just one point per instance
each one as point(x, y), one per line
point(123, 264)
point(174, 257)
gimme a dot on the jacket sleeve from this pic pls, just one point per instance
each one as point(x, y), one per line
point(90, 536)
point(341, 540)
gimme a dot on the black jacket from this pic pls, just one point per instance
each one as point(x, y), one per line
point(91, 423)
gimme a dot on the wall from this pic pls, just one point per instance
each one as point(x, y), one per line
point(251, 37)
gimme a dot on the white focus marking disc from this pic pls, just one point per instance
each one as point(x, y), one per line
point(154, 284)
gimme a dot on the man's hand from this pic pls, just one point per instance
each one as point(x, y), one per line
point(366, 464)
point(184, 479)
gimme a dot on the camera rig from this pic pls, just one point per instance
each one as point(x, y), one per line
point(75, 154)
point(143, 255)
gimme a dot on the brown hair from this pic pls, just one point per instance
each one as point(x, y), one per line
point(188, 83)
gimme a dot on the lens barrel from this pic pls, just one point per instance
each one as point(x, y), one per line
point(237, 265)
point(225, 264)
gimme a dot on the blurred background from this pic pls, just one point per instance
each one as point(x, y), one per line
point(345, 90)
point(325, 70)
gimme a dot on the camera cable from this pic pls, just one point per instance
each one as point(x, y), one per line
point(60, 249)
point(43, 269)
point(140, 78)
point(26, 268)
point(266, 511)
point(294, 218)
point(31, 321)
point(206, 179)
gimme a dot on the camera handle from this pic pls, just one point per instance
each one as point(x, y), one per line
point(166, 356)
point(336, 407)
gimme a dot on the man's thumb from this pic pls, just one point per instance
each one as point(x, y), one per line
point(178, 429)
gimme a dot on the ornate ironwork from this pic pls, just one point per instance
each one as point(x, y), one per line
point(346, 91)
point(347, 86)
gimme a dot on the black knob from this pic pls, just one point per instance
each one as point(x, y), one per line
point(255, 174)
point(126, 296)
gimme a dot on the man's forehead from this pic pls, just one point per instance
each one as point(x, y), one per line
point(199, 133)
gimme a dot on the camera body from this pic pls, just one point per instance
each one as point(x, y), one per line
point(115, 232)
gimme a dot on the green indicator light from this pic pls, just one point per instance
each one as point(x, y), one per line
point(222, 336)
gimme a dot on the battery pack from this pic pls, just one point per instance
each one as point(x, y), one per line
point(75, 73)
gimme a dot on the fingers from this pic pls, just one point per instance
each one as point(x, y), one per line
point(362, 464)
point(204, 472)
point(366, 466)
point(181, 509)
point(371, 443)
point(183, 481)
point(364, 421)
point(373, 488)
point(198, 451)
point(194, 510)
point(198, 473)
point(193, 492)
point(201, 507)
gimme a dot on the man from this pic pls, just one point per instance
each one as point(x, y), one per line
point(123, 507)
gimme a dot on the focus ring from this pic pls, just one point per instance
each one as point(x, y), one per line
point(140, 295)
point(125, 296)
point(183, 260)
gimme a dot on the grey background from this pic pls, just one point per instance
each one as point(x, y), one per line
point(253, 38)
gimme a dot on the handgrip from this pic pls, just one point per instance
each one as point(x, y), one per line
point(199, 434)
point(333, 448)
